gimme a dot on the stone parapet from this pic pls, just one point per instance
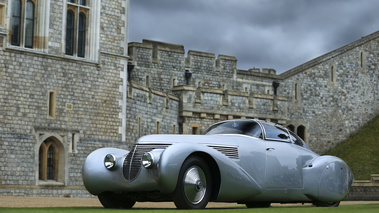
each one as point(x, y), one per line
point(330, 55)
point(365, 189)
point(256, 72)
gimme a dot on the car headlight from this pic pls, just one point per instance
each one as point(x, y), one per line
point(110, 161)
point(147, 160)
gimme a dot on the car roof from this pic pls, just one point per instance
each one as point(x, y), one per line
point(248, 119)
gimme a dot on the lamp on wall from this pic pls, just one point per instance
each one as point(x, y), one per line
point(187, 76)
point(275, 84)
point(130, 69)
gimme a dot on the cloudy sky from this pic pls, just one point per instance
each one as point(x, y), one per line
point(278, 34)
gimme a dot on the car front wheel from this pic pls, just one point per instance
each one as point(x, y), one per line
point(193, 190)
point(112, 201)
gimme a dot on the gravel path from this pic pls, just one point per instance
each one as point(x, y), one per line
point(9, 201)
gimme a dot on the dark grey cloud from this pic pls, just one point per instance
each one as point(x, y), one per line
point(259, 33)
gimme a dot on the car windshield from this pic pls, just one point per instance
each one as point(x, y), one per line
point(250, 128)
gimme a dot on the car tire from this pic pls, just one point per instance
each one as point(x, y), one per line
point(258, 205)
point(327, 204)
point(112, 201)
point(193, 190)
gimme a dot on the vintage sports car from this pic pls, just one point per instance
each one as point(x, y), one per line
point(245, 161)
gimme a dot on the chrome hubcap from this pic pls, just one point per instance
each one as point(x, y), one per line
point(195, 184)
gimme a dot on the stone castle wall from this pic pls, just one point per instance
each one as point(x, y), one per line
point(75, 102)
point(337, 92)
point(323, 100)
point(216, 90)
point(150, 111)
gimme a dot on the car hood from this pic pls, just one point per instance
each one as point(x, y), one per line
point(199, 139)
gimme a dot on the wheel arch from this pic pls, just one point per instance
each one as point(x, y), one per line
point(215, 170)
point(172, 159)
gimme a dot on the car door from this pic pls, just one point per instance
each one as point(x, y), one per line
point(283, 160)
point(253, 151)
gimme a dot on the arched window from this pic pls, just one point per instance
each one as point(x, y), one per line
point(301, 132)
point(158, 127)
point(16, 22)
point(29, 24)
point(70, 32)
point(82, 35)
point(48, 160)
point(291, 127)
point(51, 163)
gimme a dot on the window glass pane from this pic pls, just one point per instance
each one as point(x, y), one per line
point(29, 10)
point(29, 24)
point(70, 33)
point(296, 140)
point(254, 130)
point(50, 163)
point(16, 22)
point(244, 127)
point(275, 133)
point(82, 35)
point(40, 163)
point(16, 8)
point(82, 2)
point(72, 1)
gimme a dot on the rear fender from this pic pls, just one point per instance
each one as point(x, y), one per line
point(236, 184)
point(333, 177)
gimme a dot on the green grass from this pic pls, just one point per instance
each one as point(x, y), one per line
point(287, 209)
point(360, 150)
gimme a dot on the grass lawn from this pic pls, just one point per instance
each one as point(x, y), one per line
point(360, 151)
point(367, 208)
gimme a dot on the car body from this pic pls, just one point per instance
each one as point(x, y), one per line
point(246, 161)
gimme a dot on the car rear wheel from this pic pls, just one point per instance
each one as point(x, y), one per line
point(327, 204)
point(258, 205)
point(112, 201)
point(193, 190)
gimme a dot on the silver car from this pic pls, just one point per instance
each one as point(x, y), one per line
point(244, 161)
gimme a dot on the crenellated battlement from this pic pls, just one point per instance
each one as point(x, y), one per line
point(155, 52)
point(206, 69)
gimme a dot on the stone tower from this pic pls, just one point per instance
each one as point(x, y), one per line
point(63, 82)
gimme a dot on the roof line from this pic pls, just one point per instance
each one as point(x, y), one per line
point(329, 55)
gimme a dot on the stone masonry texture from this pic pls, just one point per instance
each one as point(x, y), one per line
point(96, 105)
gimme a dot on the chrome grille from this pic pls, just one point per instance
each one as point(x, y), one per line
point(133, 161)
point(230, 151)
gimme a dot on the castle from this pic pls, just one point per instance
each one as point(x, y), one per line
point(71, 83)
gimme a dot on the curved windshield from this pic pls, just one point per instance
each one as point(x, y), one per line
point(250, 128)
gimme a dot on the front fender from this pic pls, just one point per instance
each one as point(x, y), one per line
point(97, 178)
point(236, 183)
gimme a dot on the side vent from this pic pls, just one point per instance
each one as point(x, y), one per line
point(230, 151)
